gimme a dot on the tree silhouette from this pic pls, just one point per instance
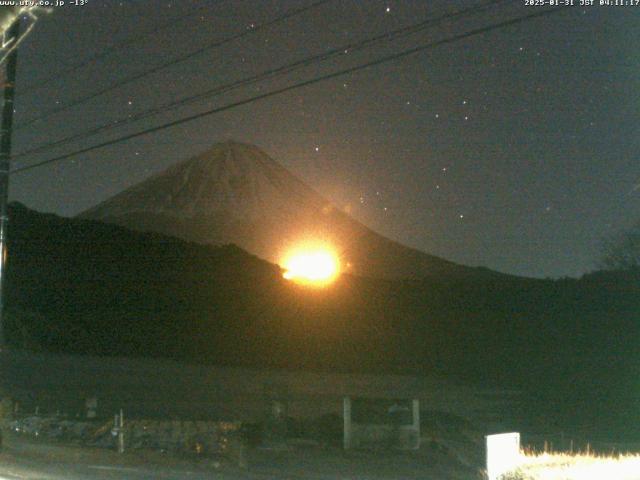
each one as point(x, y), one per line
point(622, 252)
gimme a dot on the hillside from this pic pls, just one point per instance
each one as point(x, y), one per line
point(78, 286)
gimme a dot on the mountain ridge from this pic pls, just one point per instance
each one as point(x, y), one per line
point(236, 193)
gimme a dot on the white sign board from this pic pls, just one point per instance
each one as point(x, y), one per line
point(503, 454)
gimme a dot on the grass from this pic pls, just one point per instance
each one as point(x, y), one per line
point(576, 466)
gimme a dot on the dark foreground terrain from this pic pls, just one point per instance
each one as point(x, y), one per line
point(28, 459)
point(82, 287)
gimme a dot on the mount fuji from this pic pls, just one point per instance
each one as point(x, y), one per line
point(235, 193)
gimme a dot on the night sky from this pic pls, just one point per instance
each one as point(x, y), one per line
point(515, 149)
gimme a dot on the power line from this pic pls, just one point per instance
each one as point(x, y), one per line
point(35, 86)
point(177, 60)
point(379, 61)
point(269, 74)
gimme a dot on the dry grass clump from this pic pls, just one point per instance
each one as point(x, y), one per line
point(576, 466)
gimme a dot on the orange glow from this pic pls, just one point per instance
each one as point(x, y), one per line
point(313, 266)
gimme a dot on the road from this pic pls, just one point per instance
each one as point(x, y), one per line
point(15, 468)
point(28, 460)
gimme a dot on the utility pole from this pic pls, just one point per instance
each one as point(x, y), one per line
point(11, 38)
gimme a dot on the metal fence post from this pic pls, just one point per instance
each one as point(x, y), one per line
point(121, 432)
point(346, 416)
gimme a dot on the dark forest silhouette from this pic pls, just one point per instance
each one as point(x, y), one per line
point(79, 286)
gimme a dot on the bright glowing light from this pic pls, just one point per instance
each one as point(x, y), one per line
point(505, 459)
point(577, 466)
point(312, 266)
